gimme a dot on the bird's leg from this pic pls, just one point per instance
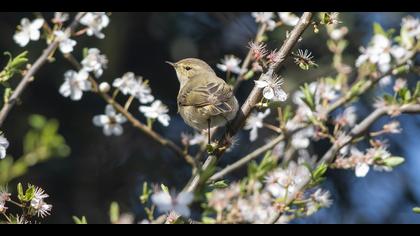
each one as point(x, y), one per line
point(210, 148)
point(208, 131)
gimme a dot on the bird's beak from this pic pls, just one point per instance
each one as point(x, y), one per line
point(170, 63)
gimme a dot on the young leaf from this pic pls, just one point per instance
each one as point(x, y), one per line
point(164, 188)
point(114, 212)
point(79, 221)
point(377, 29)
point(393, 161)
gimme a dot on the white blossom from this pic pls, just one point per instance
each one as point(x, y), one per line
point(28, 31)
point(38, 204)
point(319, 199)
point(60, 17)
point(257, 208)
point(410, 31)
point(4, 197)
point(361, 169)
point(348, 117)
point(399, 84)
point(4, 144)
point(338, 33)
point(230, 63)
point(95, 21)
point(66, 44)
point(265, 18)
point(111, 121)
point(75, 84)
point(271, 86)
point(95, 62)
point(129, 84)
point(287, 182)
point(288, 18)
point(301, 139)
point(255, 122)
point(380, 52)
point(156, 111)
point(179, 204)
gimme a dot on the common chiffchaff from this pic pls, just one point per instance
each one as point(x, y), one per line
point(204, 100)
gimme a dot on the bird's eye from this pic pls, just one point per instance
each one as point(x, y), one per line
point(188, 68)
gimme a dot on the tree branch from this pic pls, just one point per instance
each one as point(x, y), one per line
point(363, 126)
point(244, 160)
point(254, 97)
point(29, 76)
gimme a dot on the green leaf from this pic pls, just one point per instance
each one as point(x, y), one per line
point(164, 188)
point(145, 194)
point(85, 52)
point(79, 221)
point(249, 75)
point(308, 98)
point(219, 184)
point(377, 29)
point(13, 65)
point(393, 161)
point(7, 94)
point(30, 193)
point(21, 196)
point(208, 220)
point(37, 121)
point(416, 210)
point(114, 212)
point(319, 171)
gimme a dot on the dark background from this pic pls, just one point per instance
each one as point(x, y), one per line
point(104, 169)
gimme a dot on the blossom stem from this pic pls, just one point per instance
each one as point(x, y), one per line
point(128, 103)
point(16, 203)
point(7, 218)
point(272, 127)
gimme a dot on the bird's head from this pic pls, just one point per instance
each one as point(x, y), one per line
point(189, 68)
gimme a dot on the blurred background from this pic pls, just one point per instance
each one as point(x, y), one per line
point(102, 169)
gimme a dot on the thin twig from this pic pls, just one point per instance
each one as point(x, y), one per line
point(244, 160)
point(29, 76)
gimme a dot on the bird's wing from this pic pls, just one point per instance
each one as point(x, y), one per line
point(213, 97)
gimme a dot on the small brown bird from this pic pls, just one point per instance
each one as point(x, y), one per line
point(204, 100)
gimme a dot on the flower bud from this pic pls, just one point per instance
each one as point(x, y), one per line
point(104, 87)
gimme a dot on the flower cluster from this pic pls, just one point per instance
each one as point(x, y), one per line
point(32, 203)
point(270, 19)
point(383, 50)
point(376, 156)
point(260, 200)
